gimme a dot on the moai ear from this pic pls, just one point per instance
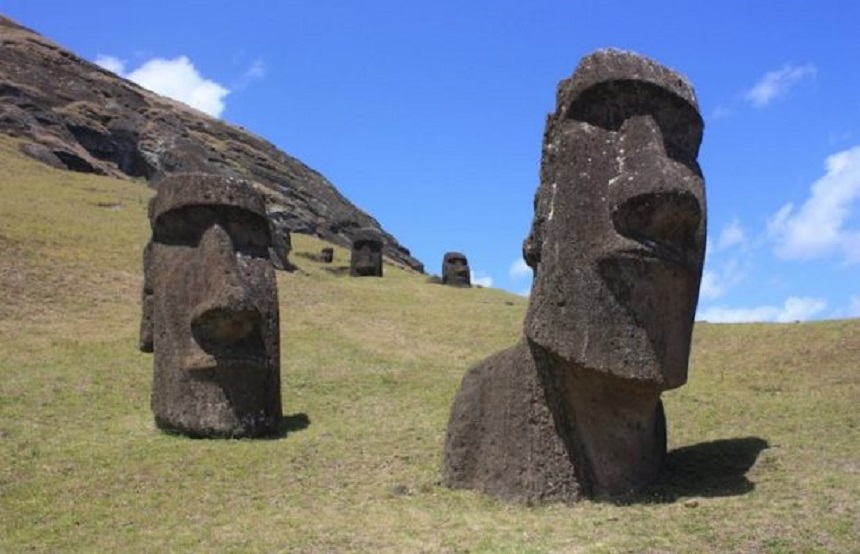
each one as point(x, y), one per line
point(146, 301)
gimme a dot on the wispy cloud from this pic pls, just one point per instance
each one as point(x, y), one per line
point(817, 229)
point(731, 235)
point(519, 270)
point(177, 79)
point(255, 71)
point(481, 278)
point(717, 282)
point(793, 309)
point(775, 84)
point(111, 63)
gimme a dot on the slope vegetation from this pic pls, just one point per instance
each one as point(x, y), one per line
point(764, 438)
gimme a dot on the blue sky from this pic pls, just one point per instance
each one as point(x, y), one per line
point(429, 115)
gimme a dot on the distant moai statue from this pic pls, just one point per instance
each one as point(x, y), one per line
point(455, 270)
point(327, 255)
point(617, 244)
point(282, 245)
point(210, 309)
point(366, 258)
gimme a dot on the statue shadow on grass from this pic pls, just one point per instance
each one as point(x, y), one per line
point(708, 469)
point(292, 423)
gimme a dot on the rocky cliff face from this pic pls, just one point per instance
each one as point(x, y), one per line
point(81, 117)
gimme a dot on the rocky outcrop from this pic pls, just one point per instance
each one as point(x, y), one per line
point(84, 118)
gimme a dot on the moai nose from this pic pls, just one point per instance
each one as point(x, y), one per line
point(654, 198)
point(225, 316)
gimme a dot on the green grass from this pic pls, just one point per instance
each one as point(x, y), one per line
point(764, 438)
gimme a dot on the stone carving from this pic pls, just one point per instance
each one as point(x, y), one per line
point(210, 309)
point(617, 244)
point(282, 243)
point(455, 270)
point(366, 253)
point(327, 255)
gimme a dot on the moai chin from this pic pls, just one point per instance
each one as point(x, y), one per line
point(617, 245)
point(455, 270)
point(210, 309)
point(366, 258)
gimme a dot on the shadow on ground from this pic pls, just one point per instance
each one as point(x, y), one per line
point(708, 469)
point(292, 423)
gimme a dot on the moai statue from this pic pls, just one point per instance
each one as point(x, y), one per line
point(617, 245)
point(327, 255)
point(210, 309)
point(281, 247)
point(366, 253)
point(455, 270)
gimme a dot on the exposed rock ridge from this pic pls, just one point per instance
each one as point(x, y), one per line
point(82, 117)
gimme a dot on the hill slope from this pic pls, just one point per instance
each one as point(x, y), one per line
point(764, 437)
point(79, 116)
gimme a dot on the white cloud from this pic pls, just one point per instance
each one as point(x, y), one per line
point(110, 63)
point(817, 229)
point(731, 235)
point(777, 83)
point(715, 283)
point(519, 270)
point(257, 70)
point(794, 309)
point(854, 307)
point(721, 112)
point(177, 79)
point(482, 279)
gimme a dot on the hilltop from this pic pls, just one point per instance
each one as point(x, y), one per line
point(75, 115)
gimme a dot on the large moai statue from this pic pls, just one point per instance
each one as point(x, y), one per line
point(617, 245)
point(210, 309)
point(366, 258)
point(455, 270)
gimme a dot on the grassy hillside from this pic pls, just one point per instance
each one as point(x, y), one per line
point(765, 451)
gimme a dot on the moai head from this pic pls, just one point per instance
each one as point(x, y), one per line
point(327, 255)
point(366, 253)
point(211, 309)
point(618, 237)
point(455, 270)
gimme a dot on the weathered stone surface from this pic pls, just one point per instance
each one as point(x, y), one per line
point(455, 270)
point(327, 255)
point(366, 260)
point(617, 246)
point(88, 119)
point(210, 309)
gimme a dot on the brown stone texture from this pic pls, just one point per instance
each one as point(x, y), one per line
point(366, 260)
point(82, 117)
point(617, 246)
point(210, 309)
point(327, 255)
point(455, 270)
